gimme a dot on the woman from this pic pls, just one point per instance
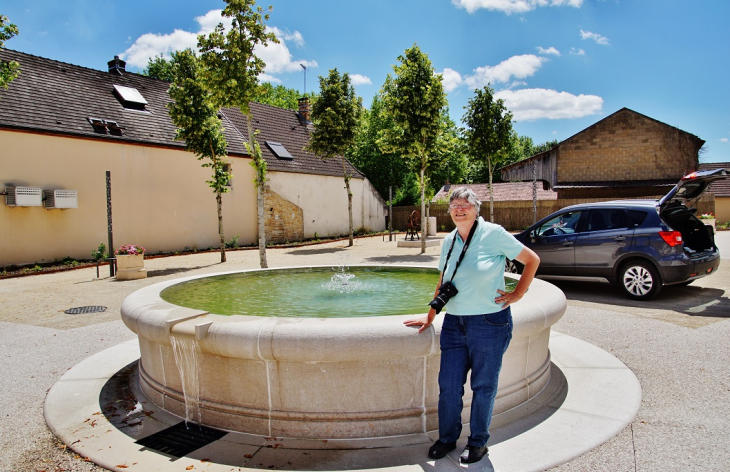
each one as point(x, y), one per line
point(477, 327)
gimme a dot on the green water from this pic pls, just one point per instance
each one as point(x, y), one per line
point(311, 292)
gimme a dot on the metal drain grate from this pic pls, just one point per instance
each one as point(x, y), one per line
point(181, 439)
point(82, 310)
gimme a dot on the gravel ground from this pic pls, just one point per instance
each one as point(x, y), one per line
point(676, 345)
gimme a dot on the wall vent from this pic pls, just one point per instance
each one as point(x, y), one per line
point(60, 199)
point(23, 196)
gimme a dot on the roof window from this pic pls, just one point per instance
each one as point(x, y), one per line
point(279, 150)
point(106, 126)
point(130, 97)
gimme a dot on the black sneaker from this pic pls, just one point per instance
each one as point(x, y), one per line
point(440, 449)
point(473, 454)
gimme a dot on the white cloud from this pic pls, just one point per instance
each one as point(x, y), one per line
point(451, 79)
point(513, 6)
point(535, 104)
point(550, 50)
point(577, 52)
point(287, 36)
point(359, 79)
point(518, 67)
point(594, 36)
point(277, 57)
point(723, 140)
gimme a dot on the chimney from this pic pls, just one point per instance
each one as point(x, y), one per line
point(117, 66)
point(304, 108)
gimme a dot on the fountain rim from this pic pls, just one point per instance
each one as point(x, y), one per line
point(147, 314)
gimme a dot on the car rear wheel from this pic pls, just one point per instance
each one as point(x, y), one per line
point(640, 280)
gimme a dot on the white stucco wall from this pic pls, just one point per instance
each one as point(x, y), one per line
point(323, 200)
point(160, 199)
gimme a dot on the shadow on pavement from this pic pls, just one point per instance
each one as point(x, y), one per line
point(418, 258)
point(314, 252)
point(688, 300)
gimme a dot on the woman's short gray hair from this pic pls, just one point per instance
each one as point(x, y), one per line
point(465, 193)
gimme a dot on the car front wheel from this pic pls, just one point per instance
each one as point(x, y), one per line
point(640, 280)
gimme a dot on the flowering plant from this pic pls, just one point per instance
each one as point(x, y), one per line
point(130, 249)
point(707, 216)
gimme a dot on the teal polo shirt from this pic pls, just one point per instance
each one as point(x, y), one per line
point(481, 273)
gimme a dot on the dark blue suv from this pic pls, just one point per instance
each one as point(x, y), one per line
point(640, 244)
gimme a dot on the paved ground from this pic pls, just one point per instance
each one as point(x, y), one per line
point(676, 345)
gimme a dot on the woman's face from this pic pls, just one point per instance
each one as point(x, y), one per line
point(462, 210)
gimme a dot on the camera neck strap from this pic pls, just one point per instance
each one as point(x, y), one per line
point(463, 249)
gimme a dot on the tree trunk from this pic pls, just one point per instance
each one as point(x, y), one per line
point(219, 204)
point(423, 210)
point(260, 183)
point(349, 198)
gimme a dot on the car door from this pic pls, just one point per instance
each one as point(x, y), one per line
point(605, 237)
point(553, 240)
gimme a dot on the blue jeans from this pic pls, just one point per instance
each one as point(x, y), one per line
point(475, 343)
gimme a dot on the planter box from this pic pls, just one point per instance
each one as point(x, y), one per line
point(130, 267)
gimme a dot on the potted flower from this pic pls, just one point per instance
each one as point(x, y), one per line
point(708, 219)
point(130, 262)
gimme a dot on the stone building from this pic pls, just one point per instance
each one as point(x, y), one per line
point(626, 154)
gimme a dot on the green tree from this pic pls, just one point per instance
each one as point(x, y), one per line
point(414, 97)
point(231, 71)
point(385, 171)
point(8, 70)
point(159, 67)
point(196, 117)
point(335, 115)
point(488, 134)
point(450, 159)
point(280, 96)
point(546, 146)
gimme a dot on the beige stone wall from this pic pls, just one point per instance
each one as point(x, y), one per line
point(282, 219)
point(159, 198)
point(627, 146)
point(323, 201)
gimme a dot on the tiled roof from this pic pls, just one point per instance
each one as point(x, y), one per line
point(52, 97)
point(503, 192)
point(721, 188)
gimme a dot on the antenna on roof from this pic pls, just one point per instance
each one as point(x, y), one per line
point(305, 78)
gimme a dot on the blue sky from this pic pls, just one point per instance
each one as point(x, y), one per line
point(560, 65)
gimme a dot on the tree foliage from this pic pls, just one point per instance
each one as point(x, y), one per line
point(196, 117)
point(9, 70)
point(280, 96)
point(231, 70)
point(336, 114)
point(383, 169)
point(488, 133)
point(414, 97)
point(159, 67)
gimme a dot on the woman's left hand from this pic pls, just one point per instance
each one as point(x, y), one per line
point(507, 298)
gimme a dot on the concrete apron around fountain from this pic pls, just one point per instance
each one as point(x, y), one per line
point(334, 378)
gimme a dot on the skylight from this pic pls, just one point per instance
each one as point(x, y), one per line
point(130, 97)
point(279, 150)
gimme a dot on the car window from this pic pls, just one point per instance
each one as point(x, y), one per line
point(564, 223)
point(637, 217)
point(607, 219)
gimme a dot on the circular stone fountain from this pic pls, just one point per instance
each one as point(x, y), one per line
point(318, 378)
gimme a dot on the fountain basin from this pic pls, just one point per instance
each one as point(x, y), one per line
point(323, 378)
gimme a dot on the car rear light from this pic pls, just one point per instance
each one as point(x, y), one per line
point(673, 238)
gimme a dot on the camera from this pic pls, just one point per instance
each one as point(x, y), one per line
point(446, 291)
